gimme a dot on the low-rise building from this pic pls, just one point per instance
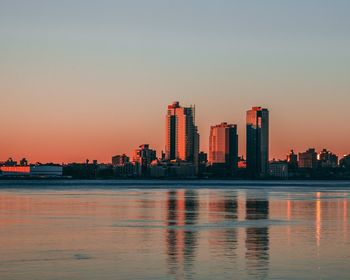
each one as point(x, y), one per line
point(173, 169)
point(278, 169)
point(33, 170)
point(308, 159)
point(327, 159)
point(120, 159)
point(345, 162)
point(142, 158)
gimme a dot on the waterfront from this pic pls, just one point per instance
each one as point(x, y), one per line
point(174, 230)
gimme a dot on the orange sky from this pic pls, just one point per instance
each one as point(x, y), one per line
point(99, 82)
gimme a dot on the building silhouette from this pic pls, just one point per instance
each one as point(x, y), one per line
point(292, 159)
point(257, 142)
point(308, 159)
point(345, 162)
point(278, 169)
point(142, 157)
point(327, 159)
point(182, 138)
point(223, 147)
point(120, 159)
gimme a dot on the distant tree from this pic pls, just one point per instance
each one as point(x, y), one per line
point(24, 162)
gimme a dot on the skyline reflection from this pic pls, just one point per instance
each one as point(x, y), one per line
point(257, 238)
point(173, 234)
point(182, 213)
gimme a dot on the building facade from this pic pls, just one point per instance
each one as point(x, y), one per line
point(257, 142)
point(33, 170)
point(308, 159)
point(292, 159)
point(345, 162)
point(278, 169)
point(223, 146)
point(327, 159)
point(120, 159)
point(182, 138)
point(142, 157)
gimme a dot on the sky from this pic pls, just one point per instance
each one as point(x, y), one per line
point(90, 79)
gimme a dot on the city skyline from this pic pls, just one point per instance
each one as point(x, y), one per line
point(166, 139)
point(189, 110)
point(182, 140)
point(95, 83)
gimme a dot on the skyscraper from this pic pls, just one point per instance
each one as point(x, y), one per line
point(257, 141)
point(182, 138)
point(223, 146)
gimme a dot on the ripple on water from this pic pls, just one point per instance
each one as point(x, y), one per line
point(204, 226)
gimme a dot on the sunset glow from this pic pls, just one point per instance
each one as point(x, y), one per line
point(96, 83)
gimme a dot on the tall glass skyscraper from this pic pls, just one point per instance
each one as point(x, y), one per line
point(257, 142)
point(182, 138)
point(223, 146)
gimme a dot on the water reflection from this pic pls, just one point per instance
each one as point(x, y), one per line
point(257, 238)
point(182, 213)
point(174, 234)
point(231, 214)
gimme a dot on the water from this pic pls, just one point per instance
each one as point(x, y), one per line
point(174, 230)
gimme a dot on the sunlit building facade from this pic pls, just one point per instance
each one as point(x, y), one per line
point(182, 138)
point(258, 141)
point(223, 146)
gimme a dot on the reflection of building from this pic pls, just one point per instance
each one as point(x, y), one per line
point(308, 159)
point(181, 242)
point(257, 141)
point(278, 169)
point(182, 138)
point(257, 238)
point(223, 147)
point(224, 209)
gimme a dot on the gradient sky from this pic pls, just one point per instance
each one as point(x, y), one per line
point(89, 79)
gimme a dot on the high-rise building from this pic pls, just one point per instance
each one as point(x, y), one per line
point(182, 138)
point(223, 146)
point(258, 141)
